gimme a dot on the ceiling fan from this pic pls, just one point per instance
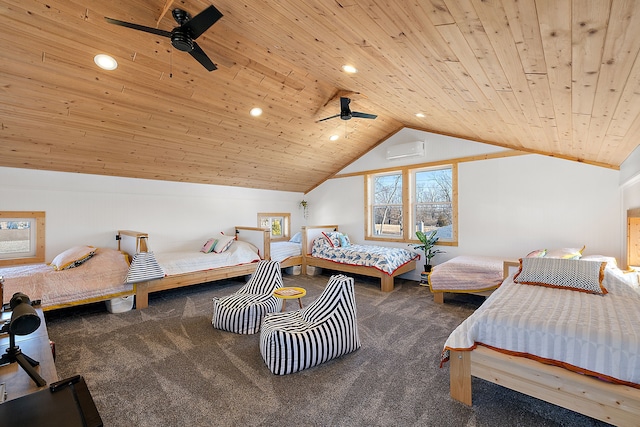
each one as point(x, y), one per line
point(347, 114)
point(183, 36)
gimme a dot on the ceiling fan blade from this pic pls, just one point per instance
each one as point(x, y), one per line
point(202, 57)
point(202, 21)
point(139, 27)
point(327, 118)
point(363, 115)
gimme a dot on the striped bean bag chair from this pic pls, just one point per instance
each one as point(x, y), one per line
point(325, 329)
point(243, 311)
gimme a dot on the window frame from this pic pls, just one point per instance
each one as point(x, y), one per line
point(38, 218)
point(409, 202)
point(286, 226)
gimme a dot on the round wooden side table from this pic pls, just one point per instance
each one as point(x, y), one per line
point(289, 293)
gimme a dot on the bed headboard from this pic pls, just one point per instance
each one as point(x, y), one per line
point(132, 242)
point(259, 237)
point(310, 232)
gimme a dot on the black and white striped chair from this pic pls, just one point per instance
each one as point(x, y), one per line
point(325, 329)
point(243, 311)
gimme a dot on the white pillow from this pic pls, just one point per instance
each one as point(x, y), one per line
point(223, 243)
point(72, 257)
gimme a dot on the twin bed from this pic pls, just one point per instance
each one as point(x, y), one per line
point(567, 346)
point(98, 278)
point(478, 275)
point(323, 247)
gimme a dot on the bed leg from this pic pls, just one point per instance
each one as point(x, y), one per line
point(460, 376)
point(142, 298)
point(386, 283)
point(438, 297)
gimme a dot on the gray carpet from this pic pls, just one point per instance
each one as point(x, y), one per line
point(167, 366)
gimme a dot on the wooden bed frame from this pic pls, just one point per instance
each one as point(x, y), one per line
point(613, 403)
point(438, 296)
point(143, 289)
point(261, 238)
point(84, 300)
point(309, 233)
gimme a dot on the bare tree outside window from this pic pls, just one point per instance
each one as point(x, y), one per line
point(387, 205)
point(433, 209)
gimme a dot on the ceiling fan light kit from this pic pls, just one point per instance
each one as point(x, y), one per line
point(183, 36)
point(347, 114)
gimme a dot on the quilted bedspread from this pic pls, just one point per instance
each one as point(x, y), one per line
point(385, 259)
point(281, 251)
point(467, 274)
point(101, 275)
point(597, 335)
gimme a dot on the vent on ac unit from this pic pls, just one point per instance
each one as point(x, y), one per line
point(408, 149)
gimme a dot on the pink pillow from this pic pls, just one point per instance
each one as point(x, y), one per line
point(208, 246)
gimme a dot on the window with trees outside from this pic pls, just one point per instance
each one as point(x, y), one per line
point(422, 198)
point(22, 237)
point(278, 223)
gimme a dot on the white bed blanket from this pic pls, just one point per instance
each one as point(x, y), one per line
point(593, 334)
point(101, 275)
point(283, 250)
point(174, 263)
point(467, 274)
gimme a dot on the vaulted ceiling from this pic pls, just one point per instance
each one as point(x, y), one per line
point(555, 77)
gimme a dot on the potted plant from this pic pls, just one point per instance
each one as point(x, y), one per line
point(427, 245)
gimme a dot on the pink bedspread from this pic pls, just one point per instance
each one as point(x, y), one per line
point(102, 275)
point(467, 274)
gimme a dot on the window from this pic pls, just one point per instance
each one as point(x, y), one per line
point(433, 202)
point(21, 237)
point(278, 223)
point(405, 201)
point(387, 205)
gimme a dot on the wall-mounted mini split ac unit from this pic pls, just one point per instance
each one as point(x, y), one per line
point(407, 149)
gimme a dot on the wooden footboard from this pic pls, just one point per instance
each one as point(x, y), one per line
point(612, 403)
point(386, 281)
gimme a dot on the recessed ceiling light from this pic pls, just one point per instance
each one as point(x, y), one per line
point(256, 111)
point(105, 62)
point(419, 115)
point(333, 137)
point(349, 69)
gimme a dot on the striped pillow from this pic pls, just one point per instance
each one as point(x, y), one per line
point(577, 275)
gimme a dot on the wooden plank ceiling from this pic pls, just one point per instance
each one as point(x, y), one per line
point(556, 77)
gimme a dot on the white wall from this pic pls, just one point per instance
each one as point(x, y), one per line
point(507, 206)
point(89, 209)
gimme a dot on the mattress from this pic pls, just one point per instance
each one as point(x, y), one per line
point(467, 274)
point(101, 275)
point(281, 251)
point(174, 263)
point(598, 335)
